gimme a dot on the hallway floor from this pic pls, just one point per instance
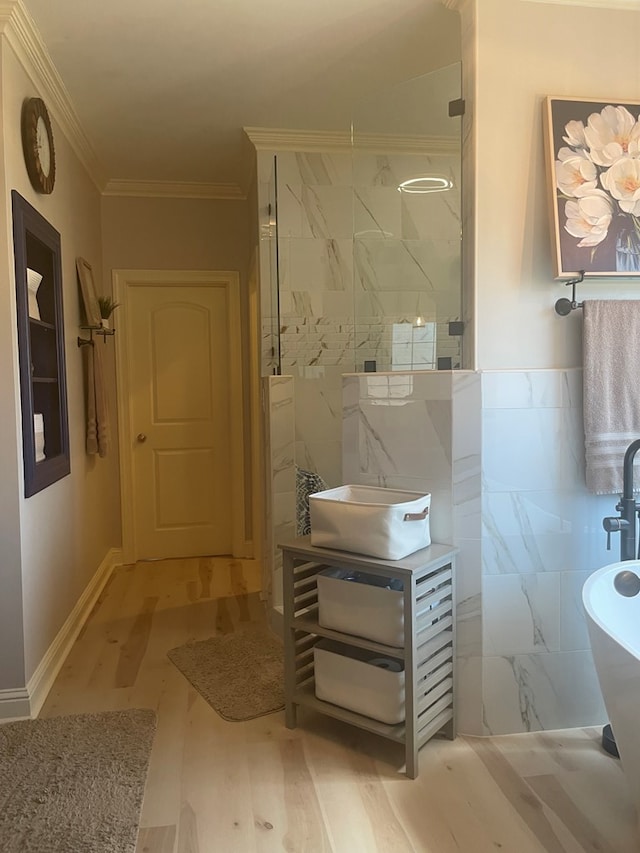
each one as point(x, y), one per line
point(255, 787)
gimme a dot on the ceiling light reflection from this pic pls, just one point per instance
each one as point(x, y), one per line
point(426, 184)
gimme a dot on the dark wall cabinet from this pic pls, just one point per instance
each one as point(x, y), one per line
point(45, 425)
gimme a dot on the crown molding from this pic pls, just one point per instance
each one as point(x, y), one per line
point(628, 5)
point(172, 189)
point(21, 32)
point(264, 138)
point(298, 140)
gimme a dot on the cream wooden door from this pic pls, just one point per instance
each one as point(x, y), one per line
point(178, 374)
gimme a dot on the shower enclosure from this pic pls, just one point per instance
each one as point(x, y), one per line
point(364, 239)
point(406, 152)
point(360, 266)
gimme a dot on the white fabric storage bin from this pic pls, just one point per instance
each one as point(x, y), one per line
point(360, 681)
point(363, 605)
point(386, 523)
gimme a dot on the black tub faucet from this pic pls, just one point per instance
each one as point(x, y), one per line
point(626, 583)
point(625, 523)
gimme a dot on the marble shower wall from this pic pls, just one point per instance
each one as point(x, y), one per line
point(467, 535)
point(364, 273)
point(502, 455)
point(315, 247)
point(397, 434)
point(421, 432)
point(315, 228)
point(280, 521)
point(407, 249)
point(357, 259)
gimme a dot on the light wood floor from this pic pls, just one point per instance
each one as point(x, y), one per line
point(255, 787)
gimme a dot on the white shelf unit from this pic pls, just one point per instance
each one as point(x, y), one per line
point(428, 653)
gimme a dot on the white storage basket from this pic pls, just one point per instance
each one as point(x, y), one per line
point(384, 523)
point(362, 605)
point(360, 681)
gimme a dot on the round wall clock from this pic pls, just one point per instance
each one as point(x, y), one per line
point(37, 145)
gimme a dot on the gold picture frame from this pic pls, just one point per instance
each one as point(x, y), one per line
point(592, 152)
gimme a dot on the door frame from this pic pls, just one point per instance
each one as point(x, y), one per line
point(255, 388)
point(123, 281)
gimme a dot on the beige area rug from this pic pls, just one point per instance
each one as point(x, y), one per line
point(74, 784)
point(241, 675)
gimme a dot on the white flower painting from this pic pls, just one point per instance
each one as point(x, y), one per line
point(593, 153)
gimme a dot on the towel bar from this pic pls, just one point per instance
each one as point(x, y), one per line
point(565, 306)
point(99, 330)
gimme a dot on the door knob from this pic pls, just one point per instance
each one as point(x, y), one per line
point(141, 437)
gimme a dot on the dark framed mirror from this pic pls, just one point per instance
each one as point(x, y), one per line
point(43, 386)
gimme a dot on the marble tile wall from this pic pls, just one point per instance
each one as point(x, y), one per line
point(318, 408)
point(397, 434)
point(502, 454)
point(421, 431)
point(315, 269)
point(280, 524)
point(315, 249)
point(467, 535)
point(383, 295)
point(406, 255)
point(394, 283)
point(356, 258)
point(541, 537)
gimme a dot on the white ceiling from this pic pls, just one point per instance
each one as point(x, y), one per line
point(163, 89)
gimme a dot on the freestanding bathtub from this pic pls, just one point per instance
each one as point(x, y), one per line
point(613, 621)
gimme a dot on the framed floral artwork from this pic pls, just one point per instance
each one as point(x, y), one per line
point(593, 167)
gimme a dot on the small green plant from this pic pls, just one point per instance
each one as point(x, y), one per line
point(107, 306)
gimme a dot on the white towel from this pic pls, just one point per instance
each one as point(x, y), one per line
point(611, 390)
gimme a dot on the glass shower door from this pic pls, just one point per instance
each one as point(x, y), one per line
point(269, 261)
point(407, 240)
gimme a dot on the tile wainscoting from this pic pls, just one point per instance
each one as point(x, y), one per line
point(502, 455)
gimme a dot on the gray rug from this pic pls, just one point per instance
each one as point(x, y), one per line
point(240, 675)
point(74, 784)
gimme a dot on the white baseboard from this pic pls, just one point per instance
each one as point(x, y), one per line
point(42, 679)
point(14, 705)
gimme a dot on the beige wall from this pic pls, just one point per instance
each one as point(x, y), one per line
point(526, 51)
point(184, 234)
point(52, 543)
point(11, 622)
point(180, 234)
point(66, 530)
point(141, 233)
